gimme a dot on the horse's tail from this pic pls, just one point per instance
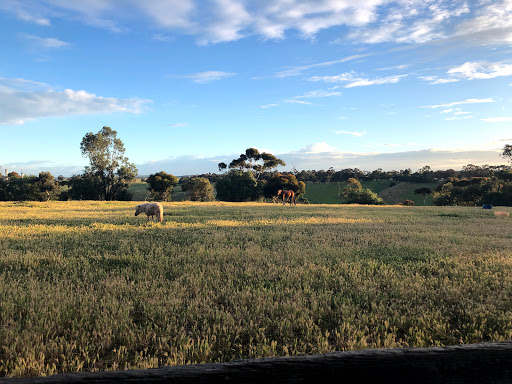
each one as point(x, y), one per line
point(160, 213)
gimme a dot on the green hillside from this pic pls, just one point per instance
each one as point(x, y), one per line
point(139, 190)
point(324, 193)
point(328, 193)
point(405, 191)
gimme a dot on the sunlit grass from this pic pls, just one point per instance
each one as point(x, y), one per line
point(88, 286)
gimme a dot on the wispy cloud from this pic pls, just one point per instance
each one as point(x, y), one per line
point(471, 71)
point(358, 134)
point(467, 101)
point(294, 101)
point(45, 42)
point(497, 119)
point(266, 106)
point(396, 67)
point(346, 76)
point(459, 118)
point(298, 70)
point(433, 80)
point(318, 93)
point(22, 100)
point(481, 70)
point(381, 80)
point(206, 77)
point(355, 81)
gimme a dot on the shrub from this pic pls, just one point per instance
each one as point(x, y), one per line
point(198, 189)
point(354, 193)
point(161, 185)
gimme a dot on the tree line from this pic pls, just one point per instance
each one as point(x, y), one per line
point(250, 177)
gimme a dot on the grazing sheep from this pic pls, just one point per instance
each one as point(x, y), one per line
point(501, 214)
point(155, 210)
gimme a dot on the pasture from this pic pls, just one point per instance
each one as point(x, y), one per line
point(87, 286)
point(328, 193)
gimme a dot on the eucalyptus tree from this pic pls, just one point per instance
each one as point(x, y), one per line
point(254, 161)
point(107, 163)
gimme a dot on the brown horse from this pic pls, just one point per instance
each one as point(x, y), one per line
point(290, 195)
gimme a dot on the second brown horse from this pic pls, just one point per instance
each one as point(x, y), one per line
point(290, 195)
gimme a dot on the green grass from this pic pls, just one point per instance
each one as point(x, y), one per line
point(140, 192)
point(405, 191)
point(86, 286)
point(328, 193)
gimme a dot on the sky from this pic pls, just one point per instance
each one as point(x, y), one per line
point(319, 83)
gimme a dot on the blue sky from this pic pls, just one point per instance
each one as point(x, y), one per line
point(189, 83)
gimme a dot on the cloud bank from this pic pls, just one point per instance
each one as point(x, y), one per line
point(22, 100)
point(215, 21)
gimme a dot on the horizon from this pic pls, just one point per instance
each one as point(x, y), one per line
point(379, 84)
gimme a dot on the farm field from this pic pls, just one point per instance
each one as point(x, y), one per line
point(139, 190)
point(86, 286)
point(328, 193)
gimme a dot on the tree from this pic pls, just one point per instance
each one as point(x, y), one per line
point(29, 187)
point(238, 186)
point(507, 153)
point(254, 161)
point(354, 193)
point(285, 182)
point(198, 189)
point(353, 186)
point(85, 187)
point(425, 191)
point(107, 162)
point(161, 185)
point(49, 189)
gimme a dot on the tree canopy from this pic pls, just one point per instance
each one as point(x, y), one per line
point(198, 189)
point(107, 162)
point(507, 153)
point(285, 182)
point(354, 193)
point(254, 161)
point(161, 185)
point(237, 186)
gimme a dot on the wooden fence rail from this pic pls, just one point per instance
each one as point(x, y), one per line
point(473, 363)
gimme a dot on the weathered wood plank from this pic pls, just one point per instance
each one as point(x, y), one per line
point(474, 363)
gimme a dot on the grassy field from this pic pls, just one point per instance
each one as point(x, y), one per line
point(324, 193)
point(405, 191)
point(86, 286)
point(328, 193)
point(139, 190)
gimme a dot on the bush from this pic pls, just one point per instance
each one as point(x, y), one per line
point(408, 203)
point(364, 196)
point(198, 189)
point(354, 193)
point(161, 185)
